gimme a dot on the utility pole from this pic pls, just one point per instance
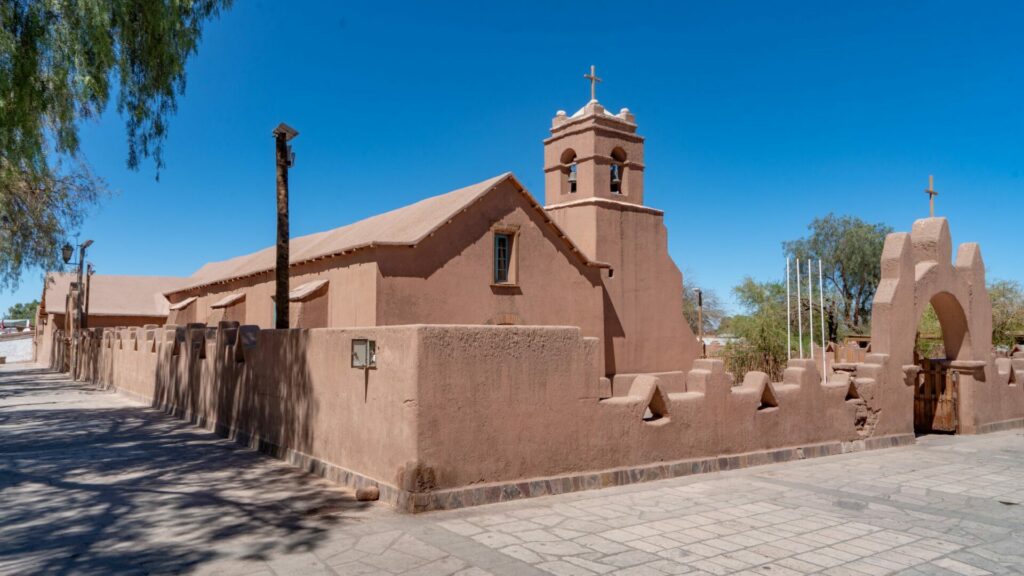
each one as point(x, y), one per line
point(285, 158)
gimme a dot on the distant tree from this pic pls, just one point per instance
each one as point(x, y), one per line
point(1007, 319)
point(59, 62)
point(713, 313)
point(1007, 311)
point(761, 329)
point(851, 251)
point(23, 310)
point(725, 325)
point(928, 341)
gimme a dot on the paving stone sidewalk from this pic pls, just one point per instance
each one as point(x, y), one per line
point(94, 483)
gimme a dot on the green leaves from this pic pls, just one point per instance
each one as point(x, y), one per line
point(59, 61)
point(851, 251)
point(1007, 312)
point(23, 311)
point(761, 329)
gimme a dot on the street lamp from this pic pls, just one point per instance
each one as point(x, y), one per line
point(66, 252)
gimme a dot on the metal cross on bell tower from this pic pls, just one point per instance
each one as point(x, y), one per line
point(593, 82)
point(931, 196)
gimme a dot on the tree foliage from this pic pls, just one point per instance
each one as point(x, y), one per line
point(713, 313)
point(761, 329)
point(1007, 320)
point(23, 311)
point(851, 251)
point(1007, 312)
point(60, 60)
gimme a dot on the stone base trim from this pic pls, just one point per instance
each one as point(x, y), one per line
point(502, 492)
point(999, 426)
point(454, 498)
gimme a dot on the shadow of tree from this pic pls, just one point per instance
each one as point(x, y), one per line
point(94, 486)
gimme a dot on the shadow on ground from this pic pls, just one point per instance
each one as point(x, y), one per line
point(93, 484)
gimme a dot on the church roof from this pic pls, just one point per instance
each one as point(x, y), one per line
point(405, 226)
point(113, 295)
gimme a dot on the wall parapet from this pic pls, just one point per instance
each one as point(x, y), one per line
point(461, 415)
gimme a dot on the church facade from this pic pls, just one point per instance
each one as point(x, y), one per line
point(593, 256)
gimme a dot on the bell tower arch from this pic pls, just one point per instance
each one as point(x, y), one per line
point(594, 191)
point(594, 154)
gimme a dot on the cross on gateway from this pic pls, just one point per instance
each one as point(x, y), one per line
point(931, 196)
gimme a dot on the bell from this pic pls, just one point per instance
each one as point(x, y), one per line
point(616, 184)
point(572, 177)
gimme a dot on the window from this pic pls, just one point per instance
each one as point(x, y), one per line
point(502, 258)
point(572, 177)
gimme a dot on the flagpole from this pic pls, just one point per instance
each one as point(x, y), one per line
point(810, 306)
point(789, 317)
point(821, 303)
point(799, 312)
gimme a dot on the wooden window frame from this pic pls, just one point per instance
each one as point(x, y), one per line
point(512, 272)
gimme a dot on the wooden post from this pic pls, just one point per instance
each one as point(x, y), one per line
point(282, 134)
point(700, 322)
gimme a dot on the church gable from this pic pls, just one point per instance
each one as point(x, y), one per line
point(506, 219)
point(501, 261)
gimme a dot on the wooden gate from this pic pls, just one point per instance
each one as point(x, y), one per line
point(935, 398)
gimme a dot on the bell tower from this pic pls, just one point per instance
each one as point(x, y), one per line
point(594, 192)
point(594, 154)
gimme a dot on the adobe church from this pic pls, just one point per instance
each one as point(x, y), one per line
point(521, 349)
point(593, 256)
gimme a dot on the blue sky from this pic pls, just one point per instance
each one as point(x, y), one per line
point(758, 117)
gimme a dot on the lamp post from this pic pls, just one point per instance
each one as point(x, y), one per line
point(285, 159)
point(66, 252)
point(89, 271)
point(83, 321)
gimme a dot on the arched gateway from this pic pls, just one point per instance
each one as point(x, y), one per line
point(970, 391)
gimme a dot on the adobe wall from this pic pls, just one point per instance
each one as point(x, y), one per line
point(290, 392)
point(461, 415)
point(521, 403)
point(45, 342)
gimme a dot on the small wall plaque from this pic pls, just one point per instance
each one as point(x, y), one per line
point(364, 353)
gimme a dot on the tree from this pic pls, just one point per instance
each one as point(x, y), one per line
point(850, 251)
point(23, 310)
point(713, 313)
point(1007, 311)
point(59, 61)
point(1007, 298)
point(761, 330)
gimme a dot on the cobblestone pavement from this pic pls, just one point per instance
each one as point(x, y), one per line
point(94, 483)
